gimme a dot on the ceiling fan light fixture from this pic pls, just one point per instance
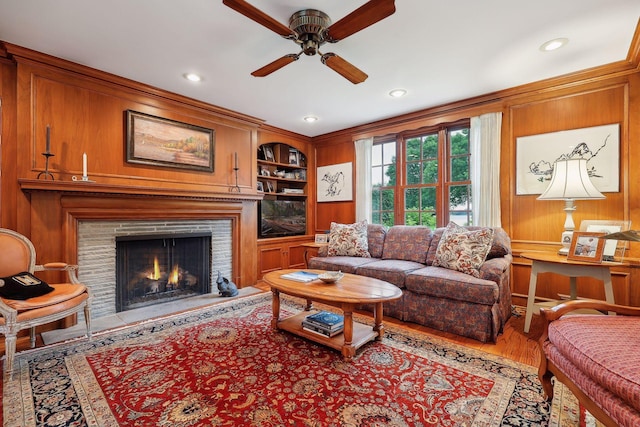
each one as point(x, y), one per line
point(310, 119)
point(554, 44)
point(192, 77)
point(397, 93)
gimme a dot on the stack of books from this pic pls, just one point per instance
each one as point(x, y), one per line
point(324, 323)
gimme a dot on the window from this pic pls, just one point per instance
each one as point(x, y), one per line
point(430, 183)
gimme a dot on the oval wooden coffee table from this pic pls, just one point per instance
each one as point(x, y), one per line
point(348, 292)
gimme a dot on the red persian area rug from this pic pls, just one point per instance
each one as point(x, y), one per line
point(224, 366)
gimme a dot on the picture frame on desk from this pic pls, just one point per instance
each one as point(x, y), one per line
point(322, 238)
point(612, 248)
point(586, 246)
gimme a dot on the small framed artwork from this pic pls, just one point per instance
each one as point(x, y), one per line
point(293, 157)
point(322, 238)
point(586, 246)
point(268, 153)
point(264, 171)
point(260, 186)
point(269, 187)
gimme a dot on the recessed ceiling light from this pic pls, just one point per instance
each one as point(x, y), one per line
point(310, 119)
point(397, 93)
point(192, 77)
point(554, 44)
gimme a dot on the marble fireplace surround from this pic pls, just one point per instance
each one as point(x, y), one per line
point(121, 209)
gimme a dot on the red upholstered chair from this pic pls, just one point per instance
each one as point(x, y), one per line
point(596, 356)
point(17, 255)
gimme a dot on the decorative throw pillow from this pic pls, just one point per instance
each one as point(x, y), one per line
point(348, 240)
point(23, 286)
point(463, 250)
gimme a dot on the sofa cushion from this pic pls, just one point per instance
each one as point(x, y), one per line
point(348, 240)
point(605, 348)
point(407, 242)
point(393, 271)
point(450, 284)
point(463, 250)
point(500, 246)
point(346, 264)
point(376, 234)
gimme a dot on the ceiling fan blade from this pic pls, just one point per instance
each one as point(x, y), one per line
point(364, 16)
point(275, 65)
point(344, 68)
point(259, 16)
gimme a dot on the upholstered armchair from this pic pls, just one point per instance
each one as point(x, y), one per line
point(596, 356)
point(26, 301)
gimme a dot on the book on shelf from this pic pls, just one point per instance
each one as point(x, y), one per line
point(319, 330)
point(301, 276)
point(326, 319)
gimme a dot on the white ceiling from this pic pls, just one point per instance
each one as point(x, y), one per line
point(440, 51)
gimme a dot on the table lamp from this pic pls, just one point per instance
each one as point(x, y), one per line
point(570, 181)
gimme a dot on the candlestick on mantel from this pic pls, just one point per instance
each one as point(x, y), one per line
point(48, 147)
point(235, 188)
point(84, 167)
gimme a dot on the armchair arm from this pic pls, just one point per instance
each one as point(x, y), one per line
point(556, 312)
point(61, 266)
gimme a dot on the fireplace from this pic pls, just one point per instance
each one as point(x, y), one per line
point(153, 269)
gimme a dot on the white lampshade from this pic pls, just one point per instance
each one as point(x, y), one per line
point(570, 180)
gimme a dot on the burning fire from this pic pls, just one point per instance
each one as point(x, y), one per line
point(156, 270)
point(173, 277)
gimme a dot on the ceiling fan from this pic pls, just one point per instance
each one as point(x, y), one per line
point(312, 28)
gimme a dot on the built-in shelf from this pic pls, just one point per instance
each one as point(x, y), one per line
point(282, 171)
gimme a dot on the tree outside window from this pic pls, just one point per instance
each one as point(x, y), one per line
point(435, 187)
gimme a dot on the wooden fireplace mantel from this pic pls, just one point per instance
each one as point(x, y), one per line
point(99, 189)
point(54, 209)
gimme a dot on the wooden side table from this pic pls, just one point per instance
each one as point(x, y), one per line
point(311, 245)
point(548, 262)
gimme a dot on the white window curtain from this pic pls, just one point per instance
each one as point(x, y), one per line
point(485, 169)
point(363, 179)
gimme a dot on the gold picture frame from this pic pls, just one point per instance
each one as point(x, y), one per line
point(155, 141)
point(586, 246)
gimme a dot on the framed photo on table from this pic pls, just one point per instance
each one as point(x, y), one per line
point(586, 246)
point(611, 247)
point(322, 238)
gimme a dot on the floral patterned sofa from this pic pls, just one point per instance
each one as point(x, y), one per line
point(460, 286)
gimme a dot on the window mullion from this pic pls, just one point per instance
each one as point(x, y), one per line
point(401, 173)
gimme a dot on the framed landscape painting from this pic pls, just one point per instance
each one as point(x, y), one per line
point(156, 141)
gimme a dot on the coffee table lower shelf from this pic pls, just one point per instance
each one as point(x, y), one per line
point(362, 334)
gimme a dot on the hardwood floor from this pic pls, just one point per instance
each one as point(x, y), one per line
point(513, 343)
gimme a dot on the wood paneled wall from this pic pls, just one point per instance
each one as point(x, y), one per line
point(86, 111)
point(603, 95)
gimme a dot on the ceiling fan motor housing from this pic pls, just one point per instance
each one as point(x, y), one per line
point(309, 25)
